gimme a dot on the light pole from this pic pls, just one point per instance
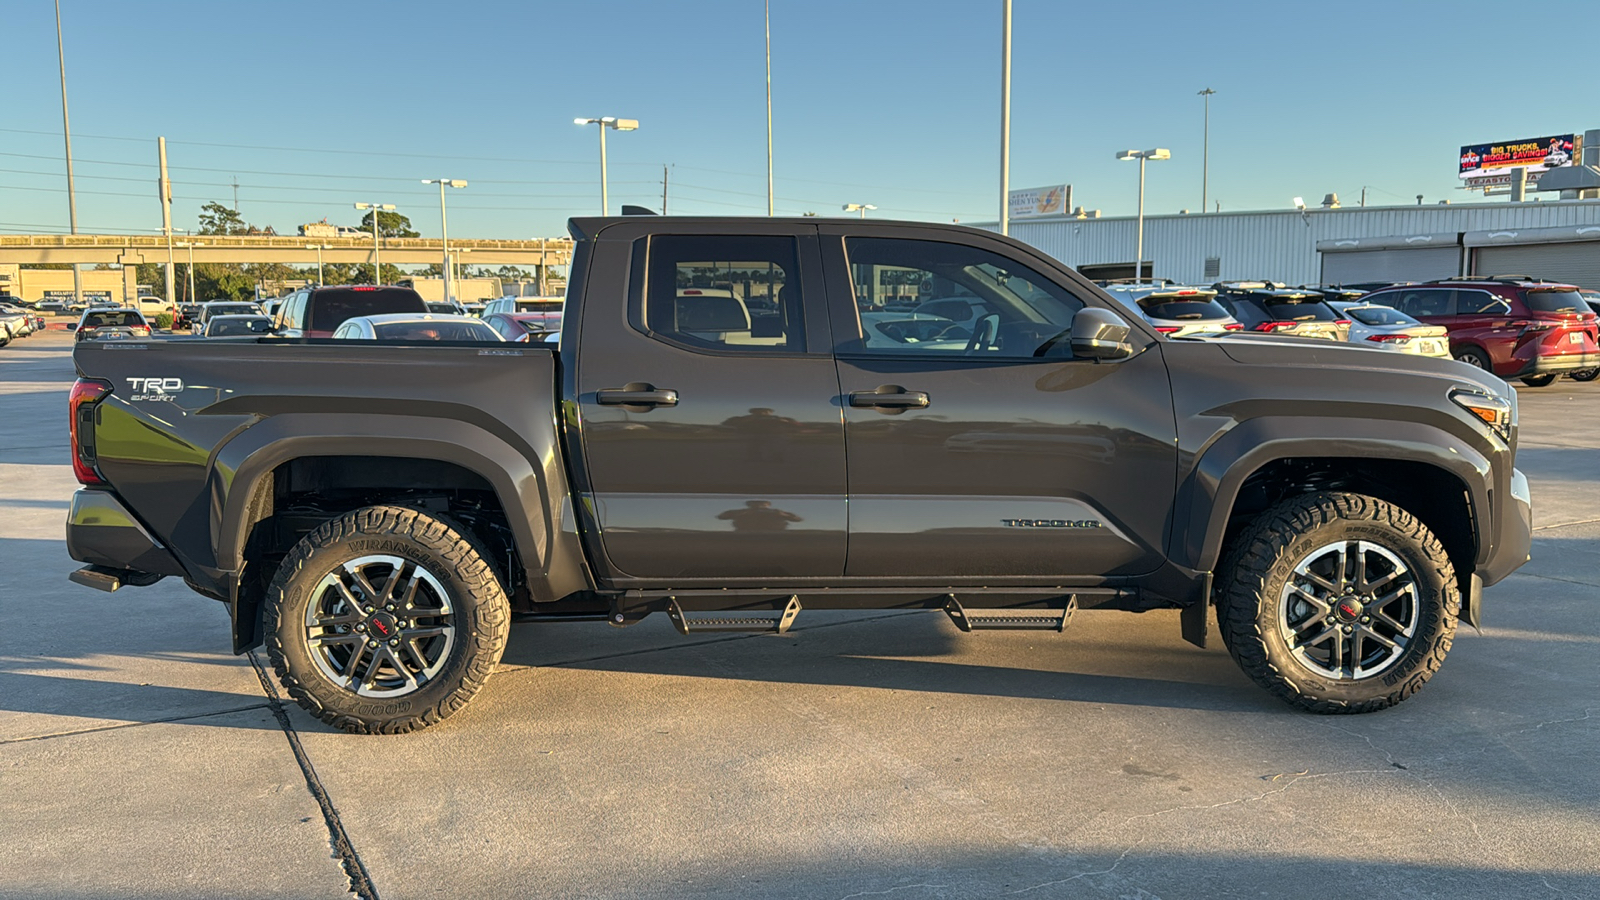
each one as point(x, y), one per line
point(614, 124)
point(66, 131)
point(767, 9)
point(1141, 156)
point(190, 245)
point(1005, 117)
point(377, 263)
point(859, 208)
point(1205, 151)
point(455, 263)
point(444, 225)
point(319, 248)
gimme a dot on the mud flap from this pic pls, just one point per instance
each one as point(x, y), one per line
point(1196, 617)
point(1472, 602)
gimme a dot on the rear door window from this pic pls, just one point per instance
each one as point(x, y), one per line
point(724, 292)
point(1479, 303)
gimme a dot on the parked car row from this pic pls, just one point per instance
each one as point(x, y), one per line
point(17, 322)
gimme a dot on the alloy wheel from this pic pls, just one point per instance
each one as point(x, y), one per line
point(380, 626)
point(1349, 610)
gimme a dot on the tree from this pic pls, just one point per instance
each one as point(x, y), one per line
point(392, 224)
point(218, 219)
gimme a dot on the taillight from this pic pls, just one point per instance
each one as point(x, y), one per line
point(86, 395)
point(1275, 326)
point(1233, 326)
point(1341, 321)
point(1167, 329)
point(1390, 338)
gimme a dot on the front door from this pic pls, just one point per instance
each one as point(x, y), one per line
point(711, 440)
point(981, 449)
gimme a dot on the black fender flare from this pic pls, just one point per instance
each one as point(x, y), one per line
point(1206, 497)
point(531, 488)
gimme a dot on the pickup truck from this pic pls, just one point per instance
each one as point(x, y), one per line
point(724, 434)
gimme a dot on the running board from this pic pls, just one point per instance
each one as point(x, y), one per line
point(686, 625)
point(969, 623)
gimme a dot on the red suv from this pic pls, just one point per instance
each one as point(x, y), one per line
point(1511, 325)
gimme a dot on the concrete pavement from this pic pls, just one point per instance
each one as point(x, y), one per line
point(870, 754)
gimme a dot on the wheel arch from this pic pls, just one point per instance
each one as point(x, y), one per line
point(529, 488)
point(1431, 473)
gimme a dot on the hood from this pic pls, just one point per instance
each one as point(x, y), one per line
point(1294, 352)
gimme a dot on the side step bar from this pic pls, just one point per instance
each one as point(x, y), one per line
point(105, 578)
point(780, 625)
point(969, 623)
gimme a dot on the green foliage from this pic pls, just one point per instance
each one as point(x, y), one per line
point(392, 224)
point(218, 219)
point(164, 321)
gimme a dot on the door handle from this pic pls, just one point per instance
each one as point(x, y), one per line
point(889, 396)
point(637, 395)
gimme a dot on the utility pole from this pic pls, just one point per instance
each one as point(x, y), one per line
point(1205, 151)
point(663, 189)
point(165, 189)
point(236, 195)
point(66, 131)
point(1005, 117)
point(377, 229)
point(768, 8)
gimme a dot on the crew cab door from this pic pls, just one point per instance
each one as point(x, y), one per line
point(980, 451)
point(712, 444)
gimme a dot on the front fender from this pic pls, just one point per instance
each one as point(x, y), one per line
point(1206, 497)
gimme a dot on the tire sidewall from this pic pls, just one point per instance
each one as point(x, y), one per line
point(1434, 617)
point(295, 591)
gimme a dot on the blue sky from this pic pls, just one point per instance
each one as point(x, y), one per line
point(313, 106)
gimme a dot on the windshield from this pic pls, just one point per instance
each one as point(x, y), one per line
point(435, 331)
point(1557, 302)
point(1185, 307)
point(251, 325)
point(1379, 315)
point(113, 318)
point(1295, 309)
point(544, 306)
point(329, 308)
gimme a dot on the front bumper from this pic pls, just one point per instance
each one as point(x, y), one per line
point(102, 532)
point(1514, 537)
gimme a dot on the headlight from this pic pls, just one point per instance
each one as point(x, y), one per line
point(1494, 412)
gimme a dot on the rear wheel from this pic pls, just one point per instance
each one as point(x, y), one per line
point(1475, 358)
point(1538, 380)
point(385, 620)
point(1585, 374)
point(1339, 603)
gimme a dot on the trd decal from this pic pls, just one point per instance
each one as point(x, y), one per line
point(154, 388)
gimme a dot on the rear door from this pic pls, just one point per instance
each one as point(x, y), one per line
point(988, 454)
point(712, 444)
point(1479, 318)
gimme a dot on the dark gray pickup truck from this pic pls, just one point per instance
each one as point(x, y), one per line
point(748, 419)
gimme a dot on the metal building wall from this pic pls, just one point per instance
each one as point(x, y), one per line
point(1276, 245)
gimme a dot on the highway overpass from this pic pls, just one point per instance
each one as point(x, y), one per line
point(131, 250)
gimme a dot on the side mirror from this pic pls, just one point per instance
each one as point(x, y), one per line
point(1100, 334)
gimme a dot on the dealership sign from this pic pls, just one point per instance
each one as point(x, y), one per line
point(1036, 203)
point(1485, 164)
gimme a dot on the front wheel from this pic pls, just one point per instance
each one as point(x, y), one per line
point(385, 620)
point(1538, 380)
point(1339, 602)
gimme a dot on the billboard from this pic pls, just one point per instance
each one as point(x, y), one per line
point(1036, 203)
point(1484, 164)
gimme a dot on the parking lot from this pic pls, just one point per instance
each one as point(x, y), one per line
point(860, 755)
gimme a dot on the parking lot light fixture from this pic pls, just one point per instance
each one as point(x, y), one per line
point(444, 226)
point(377, 262)
point(615, 124)
point(1141, 156)
point(859, 208)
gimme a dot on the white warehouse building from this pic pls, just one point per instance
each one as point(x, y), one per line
point(1552, 239)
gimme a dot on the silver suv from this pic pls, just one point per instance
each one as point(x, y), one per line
point(1176, 310)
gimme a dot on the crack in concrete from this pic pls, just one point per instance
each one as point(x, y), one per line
point(1567, 524)
point(121, 725)
point(903, 887)
point(338, 839)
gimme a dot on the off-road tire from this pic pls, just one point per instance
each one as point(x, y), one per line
point(1538, 380)
point(1585, 374)
point(451, 555)
point(1263, 558)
